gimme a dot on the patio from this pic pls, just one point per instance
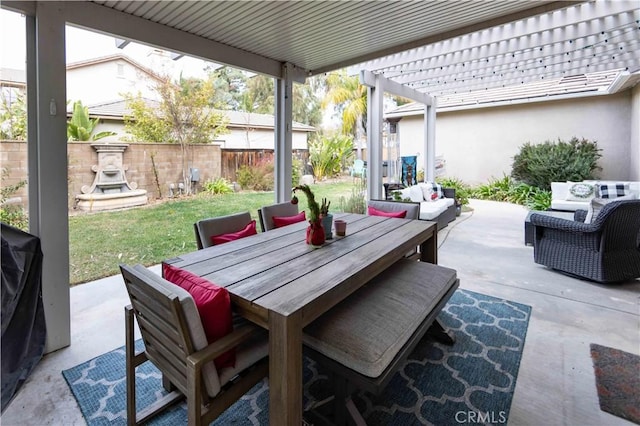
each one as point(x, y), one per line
point(555, 385)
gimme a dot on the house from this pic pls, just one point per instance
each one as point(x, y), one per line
point(99, 83)
point(492, 124)
point(246, 130)
point(106, 78)
point(120, 74)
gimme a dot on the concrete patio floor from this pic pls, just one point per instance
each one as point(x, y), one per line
point(555, 385)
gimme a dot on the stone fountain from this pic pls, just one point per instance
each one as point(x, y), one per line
point(110, 189)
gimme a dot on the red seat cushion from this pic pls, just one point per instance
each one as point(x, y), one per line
point(248, 230)
point(375, 212)
point(279, 221)
point(213, 304)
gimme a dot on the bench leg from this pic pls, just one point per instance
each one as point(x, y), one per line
point(441, 334)
point(341, 393)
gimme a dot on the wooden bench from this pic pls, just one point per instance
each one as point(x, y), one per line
point(366, 338)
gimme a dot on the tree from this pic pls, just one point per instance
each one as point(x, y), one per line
point(229, 85)
point(239, 92)
point(182, 116)
point(81, 127)
point(13, 115)
point(350, 98)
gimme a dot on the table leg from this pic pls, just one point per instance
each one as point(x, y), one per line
point(429, 249)
point(285, 369)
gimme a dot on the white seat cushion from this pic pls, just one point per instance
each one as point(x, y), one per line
point(430, 210)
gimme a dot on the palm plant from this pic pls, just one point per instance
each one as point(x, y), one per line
point(350, 97)
point(81, 127)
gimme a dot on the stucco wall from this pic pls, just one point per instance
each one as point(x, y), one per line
point(105, 81)
point(479, 144)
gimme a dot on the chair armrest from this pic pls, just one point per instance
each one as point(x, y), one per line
point(562, 224)
point(220, 346)
point(580, 215)
point(449, 192)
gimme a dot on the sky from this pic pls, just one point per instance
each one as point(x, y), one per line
point(82, 44)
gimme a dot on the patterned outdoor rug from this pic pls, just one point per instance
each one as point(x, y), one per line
point(470, 382)
point(617, 381)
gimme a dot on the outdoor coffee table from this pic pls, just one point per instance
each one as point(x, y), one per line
point(529, 228)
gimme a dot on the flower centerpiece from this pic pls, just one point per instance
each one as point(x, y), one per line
point(315, 231)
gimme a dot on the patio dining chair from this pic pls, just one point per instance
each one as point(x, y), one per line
point(175, 342)
point(267, 213)
point(205, 229)
point(384, 207)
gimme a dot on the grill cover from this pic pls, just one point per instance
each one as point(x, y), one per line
point(23, 327)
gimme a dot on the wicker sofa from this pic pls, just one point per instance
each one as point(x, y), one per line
point(562, 200)
point(441, 210)
point(606, 250)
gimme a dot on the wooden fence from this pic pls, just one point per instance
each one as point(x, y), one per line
point(233, 159)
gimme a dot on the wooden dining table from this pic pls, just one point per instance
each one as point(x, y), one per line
point(281, 283)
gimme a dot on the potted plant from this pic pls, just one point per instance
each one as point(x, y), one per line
point(327, 218)
point(315, 231)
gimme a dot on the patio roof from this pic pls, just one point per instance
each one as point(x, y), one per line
point(587, 38)
point(289, 40)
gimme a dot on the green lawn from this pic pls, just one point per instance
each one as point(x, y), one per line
point(99, 242)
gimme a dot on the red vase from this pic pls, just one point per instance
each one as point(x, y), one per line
point(315, 233)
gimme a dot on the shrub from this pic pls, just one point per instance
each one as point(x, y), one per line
point(508, 190)
point(245, 177)
point(495, 189)
point(356, 203)
point(296, 171)
point(329, 155)
point(539, 165)
point(258, 177)
point(218, 186)
point(462, 189)
point(540, 199)
point(13, 215)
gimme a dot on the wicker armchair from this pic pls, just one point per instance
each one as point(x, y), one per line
point(606, 250)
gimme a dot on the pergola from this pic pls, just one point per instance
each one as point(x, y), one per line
point(418, 48)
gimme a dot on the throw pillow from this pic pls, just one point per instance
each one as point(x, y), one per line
point(247, 231)
point(597, 204)
point(427, 190)
point(213, 304)
point(613, 190)
point(280, 221)
point(580, 191)
point(415, 194)
point(371, 211)
point(433, 191)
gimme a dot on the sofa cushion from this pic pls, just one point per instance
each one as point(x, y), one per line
point(580, 191)
point(430, 210)
point(598, 203)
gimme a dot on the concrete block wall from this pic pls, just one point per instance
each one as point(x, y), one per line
point(81, 156)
